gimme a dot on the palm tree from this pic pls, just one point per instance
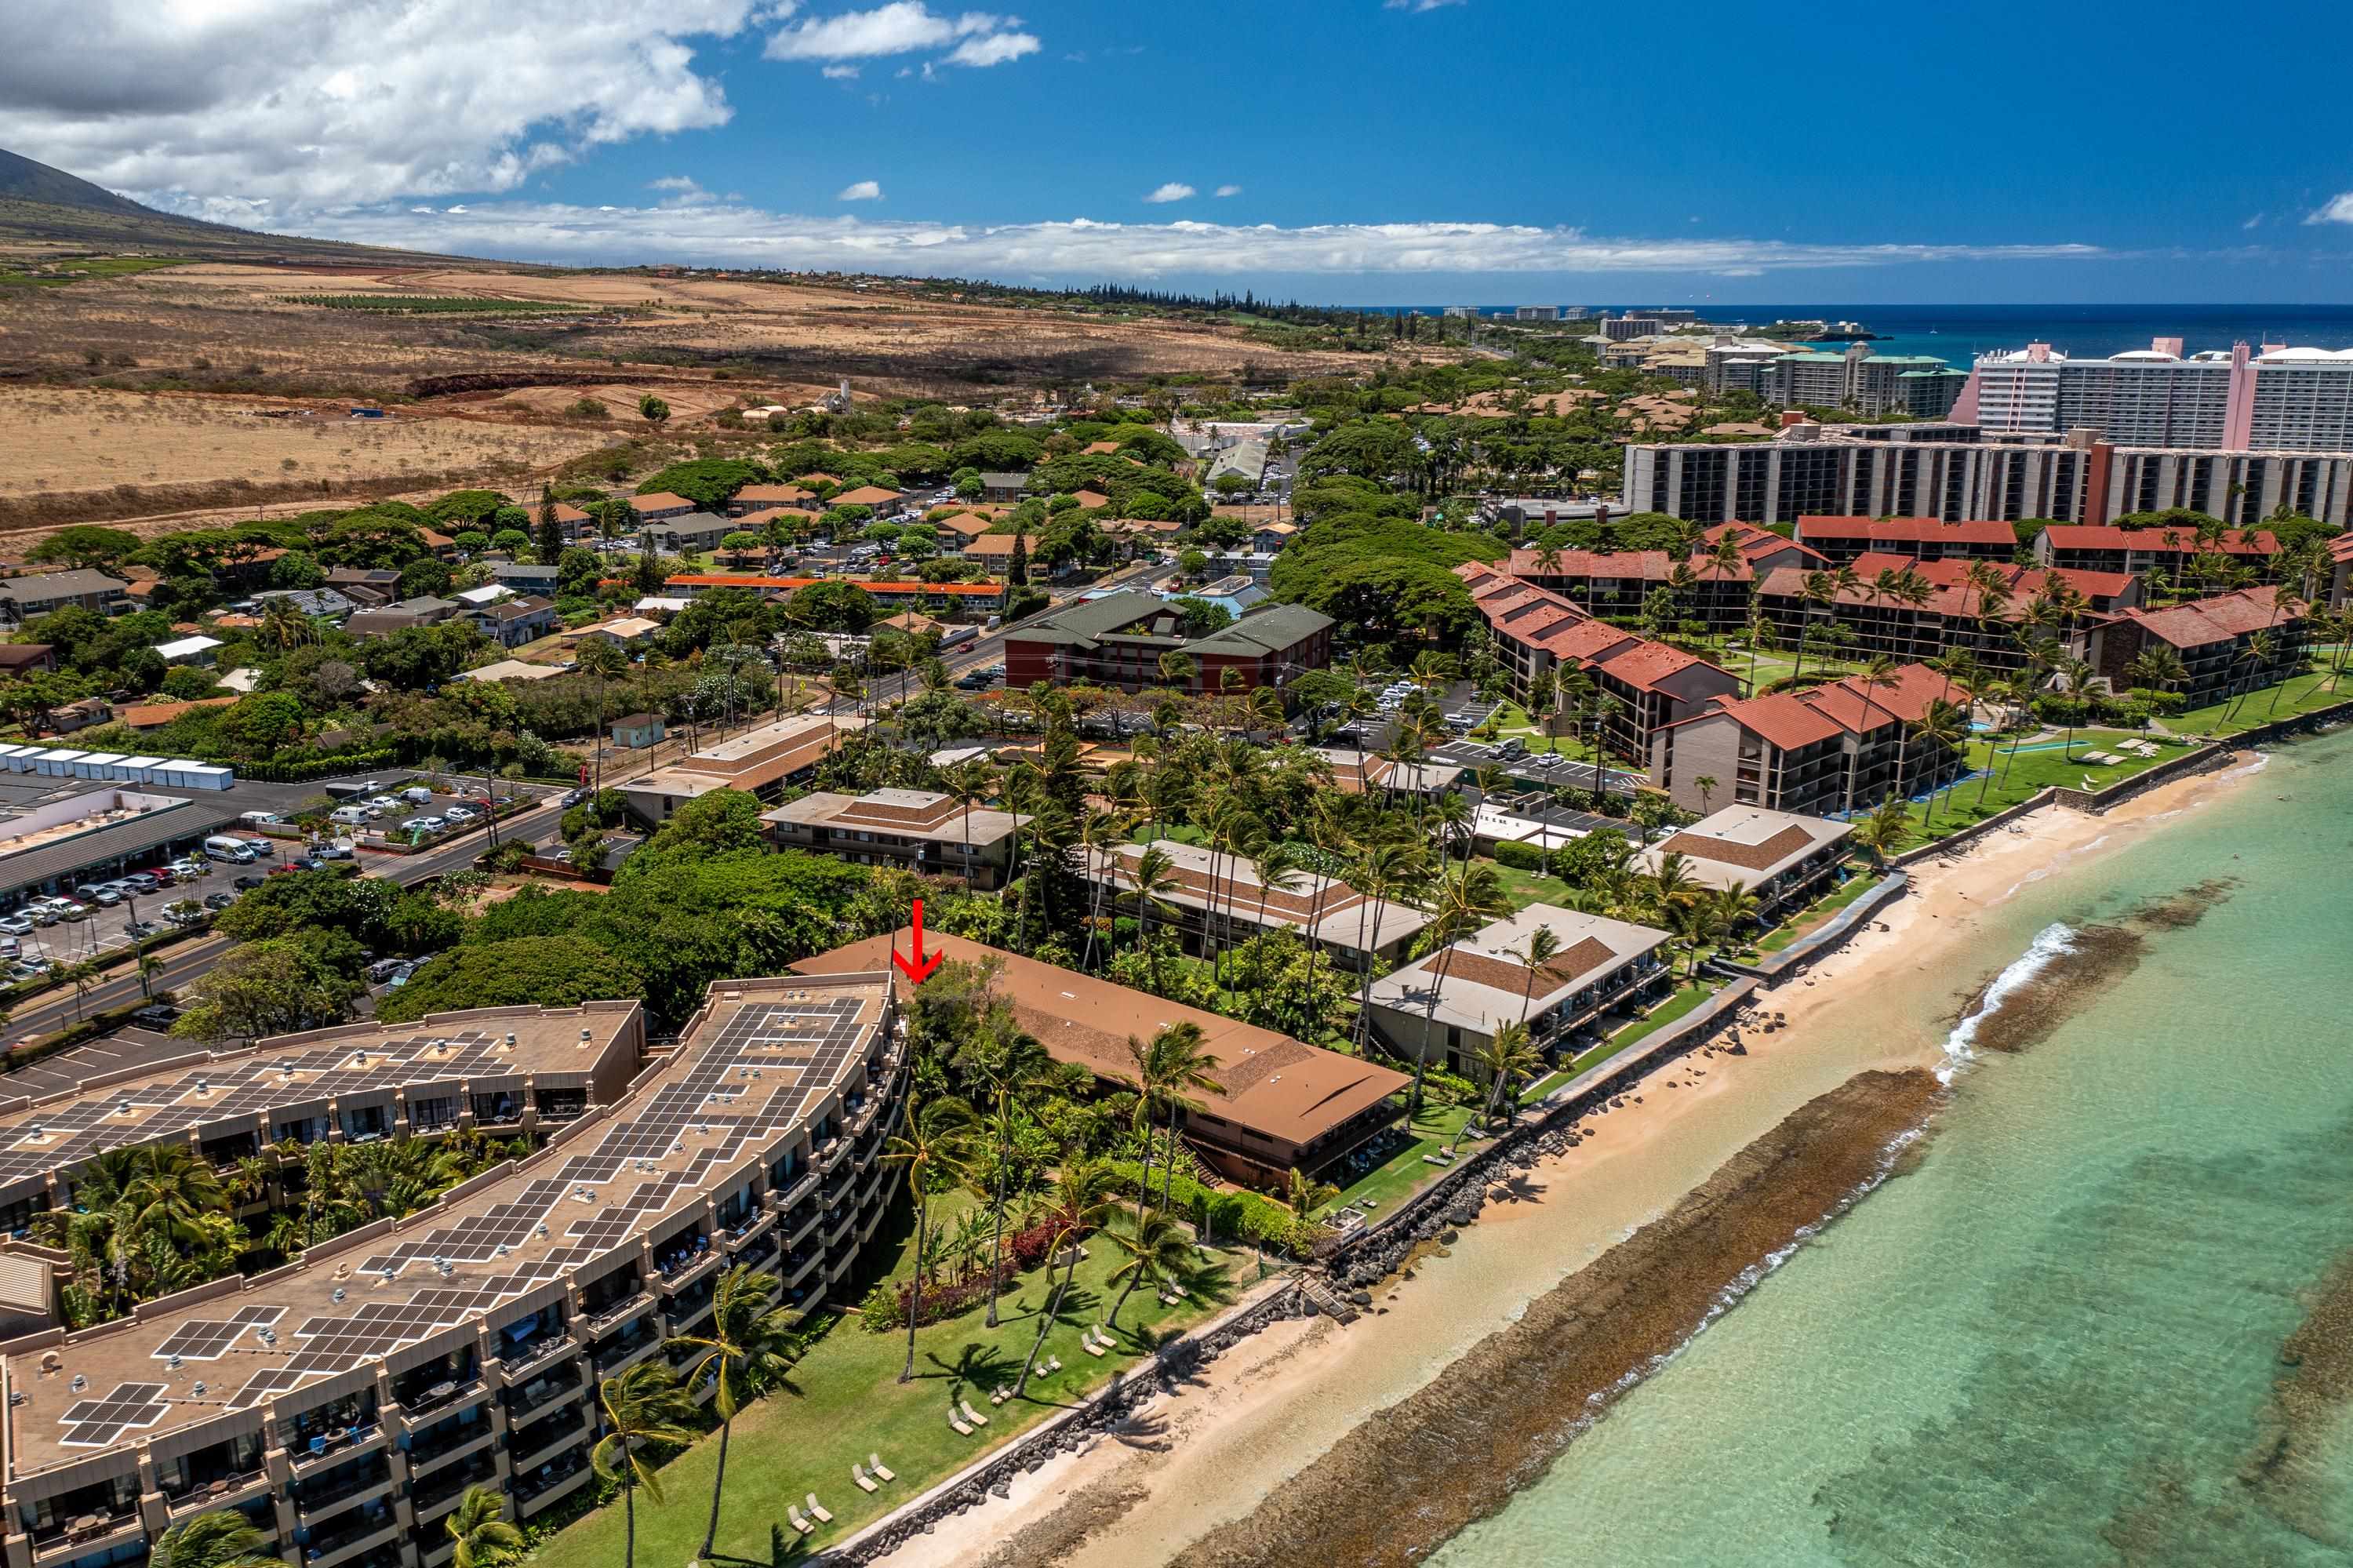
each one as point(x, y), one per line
point(221, 1539)
point(969, 783)
point(1942, 729)
point(1384, 872)
point(1168, 1072)
point(644, 1406)
point(1695, 924)
point(170, 1191)
point(1100, 834)
point(1082, 1199)
point(1151, 879)
point(1461, 906)
point(1013, 1066)
point(1883, 829)
point(1151, 1247)
point(934, 1143)
point(1706, 784)
point(1505, 1057)
point(1304, 1194)
point(2256, 655)
point(747, 1337)
point(1543, 946)
point(484, 1538)
point(1878, 671)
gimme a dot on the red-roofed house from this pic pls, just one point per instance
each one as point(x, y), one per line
point(2215, 640)
point(2340, 560)
point(1920, 538)
point(1761, 547)
point(2108, 549)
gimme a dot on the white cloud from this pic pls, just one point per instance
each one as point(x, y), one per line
point(1229, 191)
point(684, 191)
point(839, 74)
point(246, 110)
point(2339, 210)
point(864, 190)
point(1090, 248)
point(1174, 190)
point(902, 26)
point(994, 49)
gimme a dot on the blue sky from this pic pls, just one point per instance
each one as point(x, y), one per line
point(1487, 150)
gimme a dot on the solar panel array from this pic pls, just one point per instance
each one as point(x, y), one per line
point(755, 1076)
point(101, 1422)
point(259, 1082)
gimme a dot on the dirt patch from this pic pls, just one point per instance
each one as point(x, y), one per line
point(1492, 1422)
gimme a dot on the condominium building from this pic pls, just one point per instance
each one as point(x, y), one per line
point(1447, 1006)
point(1855, 379)
point(2276, 398)
point(1785, 858)
point(755, 760)
point(342, 1404)
point(2215, 638)
point(1945, 611)
point(1121, 639)
point(1219, 899)
point(1842, 539)
point(922, 830)
point(1841, 747)
point(1956, 472)
point(2113, 549)
point(1618, 584)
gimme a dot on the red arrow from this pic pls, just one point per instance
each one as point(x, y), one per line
point(918, 968)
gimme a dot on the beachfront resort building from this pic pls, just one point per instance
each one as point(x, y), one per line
point(1844, 746)
point(1785, 858)
point(1918, 610)
point(922, 830)
point(2272, 396)
point(342, 1404)
point(2216, 641)
point(1219, 900)
point(1446, 1007)
point(1279, 1106)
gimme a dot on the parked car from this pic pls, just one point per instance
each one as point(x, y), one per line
point(574, 797)
point(220, 900)
point(155, 1015)
point(458, 814)
point(31, 967)
point(186, 869)
point(144, 881)
point(384, 969)
point(426, 824)
point(17, 925)
point(137, 929)
point(246, 884)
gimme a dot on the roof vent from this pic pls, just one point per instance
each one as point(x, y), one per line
point(509, 1039)
point(198, 1389)
point(173, 1362)
point(338, 1296)
point(585, 1036)
point(79, 1383)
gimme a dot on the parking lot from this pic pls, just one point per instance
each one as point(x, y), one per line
point(102, 928)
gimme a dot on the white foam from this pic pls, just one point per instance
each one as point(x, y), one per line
point(2052, 942)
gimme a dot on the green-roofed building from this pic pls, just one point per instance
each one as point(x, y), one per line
point(1869, 384)
point(1121, 639)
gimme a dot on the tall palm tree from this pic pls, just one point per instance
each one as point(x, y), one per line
point(1883, 829)
point(1151, 878)
point(221, 1539)
point(2256, 655)
point(1081, 1200)
point(484, 1538)
point(1385, 871)
point(1878, 671)
point(1461, 906)
point(1541, 948)
point(1706, 784)
point(1151, 1247)
point(1939, 728)
point(1169, 1070)
point(644, 1406)
point(1012, 1067)
point(170, 1191)
point(1504, 1057)
point(934, 1142)
point(747, 1337)
point(969, 783)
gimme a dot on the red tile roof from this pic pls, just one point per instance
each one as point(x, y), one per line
point(1647, 663)
point(2155, 541)
point(2202, 622)
point(1912, 530)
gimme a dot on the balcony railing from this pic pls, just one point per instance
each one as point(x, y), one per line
point(323, 1450)
point(443, 1485)
point(521, 1361)
point(687, 1274)
point(523, 1400)
point(625, 1306)
point(220, 1492)
point(538, 1444)
point(314, 1499)
point(442, 1394)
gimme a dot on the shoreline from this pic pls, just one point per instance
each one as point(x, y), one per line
point(1213, 1451)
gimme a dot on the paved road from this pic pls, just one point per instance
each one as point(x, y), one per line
point(190, 962)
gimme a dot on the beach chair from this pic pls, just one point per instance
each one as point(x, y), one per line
point(957, 1422)
point(881, 1471)
point(975, 1416)
point(817, 1510)
point(1053, 1364)
point(1004, 1392)
point(1087, 1343)
point(858, 1474)
point(803, 1526)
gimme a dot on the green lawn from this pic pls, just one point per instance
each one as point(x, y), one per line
point(1813, 917)
point(1391, 1184)
point(1510, 718)
point(850, 1405)
point(1183, 833)
point(2037, 764)
point(1659, 1017)
point(2300, 694)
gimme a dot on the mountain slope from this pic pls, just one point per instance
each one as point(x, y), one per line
point(40, 206)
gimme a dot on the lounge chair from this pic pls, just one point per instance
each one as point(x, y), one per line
point(957, 1422)
point(1087, 1343)
point(1004, 1392)
point(1053, 1364)
point(803, 1526)
point(817, 1510)
point(858, 1474)
point(882, 1472)
point(975, 1416)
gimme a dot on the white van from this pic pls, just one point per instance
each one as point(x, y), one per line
point(222, 847)
point(415, 795)
point(349, 816)
point(258, 819)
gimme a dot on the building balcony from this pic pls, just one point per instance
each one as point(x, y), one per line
point(346, 1542)
point(798, 1224)
point(440, 1491)
point(626, 1352)
point(797, 1264)
point(744, 1235)
point(225, 1491)
point(374, 1481)
point(472, 1439)
point(550, 1441)
point(686, 1274)
point(760, 1250)
point(71, 1539)
point(800, 1187)
point(448, 1393)
point(553, 1478)
point(328, 1450)
point(523, 1400)
point(607, 1317)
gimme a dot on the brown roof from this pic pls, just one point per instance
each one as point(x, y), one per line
point(774, 494)
point(1274, 1084)
point(659, 501)
point(1089, 500)
point(1754, 857)
point(990, 544)
point(2163, 539)
point(1099, 449)
point(866, 495)
point(156, 716)
point(1562, 968)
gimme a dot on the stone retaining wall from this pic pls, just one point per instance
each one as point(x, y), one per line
point(1831, 935)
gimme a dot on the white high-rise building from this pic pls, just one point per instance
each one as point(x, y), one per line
point(2280, 400)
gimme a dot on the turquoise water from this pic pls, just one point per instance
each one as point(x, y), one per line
point(2054, 1341)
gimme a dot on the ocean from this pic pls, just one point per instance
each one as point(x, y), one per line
point(1957, 333)
point(2064, 1336)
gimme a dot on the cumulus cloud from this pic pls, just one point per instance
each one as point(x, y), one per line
point(863, 190)
point(1229, 190)
point(1174, 190)
point(903, 27)
point(239, 111)
point(1083, 248)
point(2339, 210)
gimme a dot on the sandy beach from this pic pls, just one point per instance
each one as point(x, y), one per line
point(1213, 1453)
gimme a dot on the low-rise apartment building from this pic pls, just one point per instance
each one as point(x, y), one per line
point(1786, 859)
point(922, 830)
point(1219, 900)
point(343, 1405)
point(2215, 640)
point(2108, 549)
point(21, 599)
point(1919, 538)
point(1121, 639)
point(754, 760)
point(1446, 1007)
point(1842, 746)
